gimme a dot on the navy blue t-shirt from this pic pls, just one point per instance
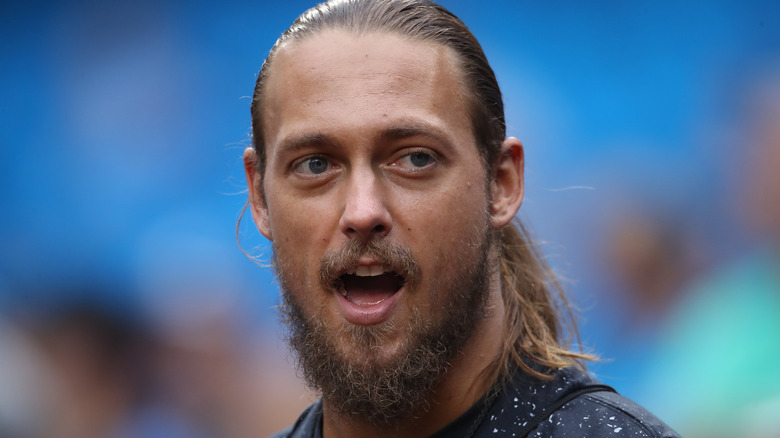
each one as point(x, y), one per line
point(525, 402)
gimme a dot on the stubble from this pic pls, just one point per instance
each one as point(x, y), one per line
point(364, 384)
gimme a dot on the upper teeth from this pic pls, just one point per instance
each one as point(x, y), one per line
point(369, 271)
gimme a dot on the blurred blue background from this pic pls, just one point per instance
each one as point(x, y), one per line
point(121, 183)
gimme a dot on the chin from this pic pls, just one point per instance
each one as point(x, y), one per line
point(378, 344)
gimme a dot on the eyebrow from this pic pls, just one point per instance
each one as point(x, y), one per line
point(308, 139)
point(413, 129)
point(399, 131)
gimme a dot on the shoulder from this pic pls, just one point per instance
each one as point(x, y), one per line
point(571, 404)
point(604, 413)
point(307, 425)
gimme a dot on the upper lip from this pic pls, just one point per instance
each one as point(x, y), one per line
point(367, 264)
point(369, 270)
point(363, 268)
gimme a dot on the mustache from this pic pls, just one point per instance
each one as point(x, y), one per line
point(390, 255)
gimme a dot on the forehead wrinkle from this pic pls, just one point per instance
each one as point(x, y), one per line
point(299, 70)
point(421, 69)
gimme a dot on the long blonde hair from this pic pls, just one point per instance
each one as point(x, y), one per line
point(539, 324)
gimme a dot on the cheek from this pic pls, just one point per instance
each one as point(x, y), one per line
point(302, 232)
point(448, 221)
point(291, 216)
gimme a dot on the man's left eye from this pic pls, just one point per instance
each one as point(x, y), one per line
point(417, 160)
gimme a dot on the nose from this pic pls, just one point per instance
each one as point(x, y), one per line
point(365, 214)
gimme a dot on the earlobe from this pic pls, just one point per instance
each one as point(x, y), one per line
point(507, 187)
point(257, 203)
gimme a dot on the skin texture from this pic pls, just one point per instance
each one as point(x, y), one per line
point(364, 106)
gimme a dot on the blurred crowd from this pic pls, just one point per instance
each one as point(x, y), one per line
point(83, 369)
point(700, 338)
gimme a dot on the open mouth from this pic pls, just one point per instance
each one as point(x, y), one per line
point(369, 285)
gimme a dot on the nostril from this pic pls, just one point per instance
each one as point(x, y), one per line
point(365, 216)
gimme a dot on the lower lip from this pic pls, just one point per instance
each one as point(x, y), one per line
point(368, 314)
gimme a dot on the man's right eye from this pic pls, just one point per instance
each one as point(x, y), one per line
point(312, 166)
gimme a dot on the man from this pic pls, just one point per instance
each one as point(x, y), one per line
point(380, 172)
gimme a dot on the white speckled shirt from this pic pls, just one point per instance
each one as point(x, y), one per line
point(526, 402)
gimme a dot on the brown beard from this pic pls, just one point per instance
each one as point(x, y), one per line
point(365, 386)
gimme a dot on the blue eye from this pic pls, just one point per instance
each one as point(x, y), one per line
point(420, 159)
point(416, 161)
point(313, 165)
point(317, 165)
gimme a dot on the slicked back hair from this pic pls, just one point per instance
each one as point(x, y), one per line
point(536, 309)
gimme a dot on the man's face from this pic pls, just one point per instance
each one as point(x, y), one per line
point(368, 141)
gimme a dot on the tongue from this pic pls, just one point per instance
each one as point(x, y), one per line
point(367, 291)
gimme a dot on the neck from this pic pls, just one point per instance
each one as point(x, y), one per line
point(461, 386)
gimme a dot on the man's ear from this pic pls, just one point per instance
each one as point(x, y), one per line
point(507, 185)
point(256, 202)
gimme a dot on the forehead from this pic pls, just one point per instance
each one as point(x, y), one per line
point(336, 77)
